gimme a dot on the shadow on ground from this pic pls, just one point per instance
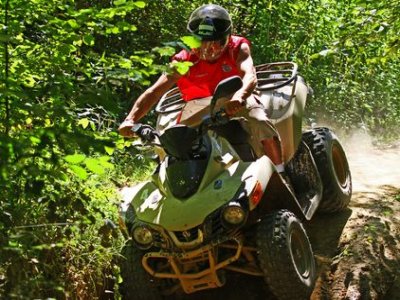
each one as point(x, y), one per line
point(358, 250)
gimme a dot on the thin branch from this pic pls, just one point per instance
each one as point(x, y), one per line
point(6, 67)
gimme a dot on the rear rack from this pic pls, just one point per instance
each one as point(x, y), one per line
point(170, 102)
point(273, 76)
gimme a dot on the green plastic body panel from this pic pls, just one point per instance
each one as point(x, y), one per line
point(154, 203)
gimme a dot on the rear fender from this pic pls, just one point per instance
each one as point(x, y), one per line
point(285, 108)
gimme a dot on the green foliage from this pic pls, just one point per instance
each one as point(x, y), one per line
point(60, 87)
point(348, 53)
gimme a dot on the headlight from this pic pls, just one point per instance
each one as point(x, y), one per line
point(142, 236)
point(234, 214)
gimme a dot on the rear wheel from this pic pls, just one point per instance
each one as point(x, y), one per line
point(285, 256)
point(333, 169)
point(136, 282)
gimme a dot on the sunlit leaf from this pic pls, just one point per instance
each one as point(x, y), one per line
point(75, 158)
point(109, 150)
point(84, 122)
point(73, 23)
point(326, 52)
point(182, 67)
point(29, 81)
point(368, 107)
point(94, 165)
point(191, 41)
point(79, 171)
point(125, 63)
point(125, 26)
point(146, 61)
point(140, 4)
point(119, 2)
point(113, 30)
point(165, 51)
point(349, 43)
point(81, 12)
point(35, 140)
point(104, 162)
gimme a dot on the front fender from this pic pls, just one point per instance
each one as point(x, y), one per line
point(147, 203)
point(258, 172)
point(126, 211)
point(153, 206)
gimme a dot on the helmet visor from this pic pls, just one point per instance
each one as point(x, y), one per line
point(208, 29)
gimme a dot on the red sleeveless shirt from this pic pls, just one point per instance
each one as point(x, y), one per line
point(203, 77)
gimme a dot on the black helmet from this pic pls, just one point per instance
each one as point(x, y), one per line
point(210, 22)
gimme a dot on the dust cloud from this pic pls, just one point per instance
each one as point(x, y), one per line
point(371, 167)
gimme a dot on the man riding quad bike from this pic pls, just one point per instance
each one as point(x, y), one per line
point(217, 56)
point(231, 190)
point(216, 204)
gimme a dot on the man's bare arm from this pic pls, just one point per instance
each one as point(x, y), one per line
point(150, 97)
point(146, 101)
point(247, 71)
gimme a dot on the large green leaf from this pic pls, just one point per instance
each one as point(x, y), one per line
point(191, 41)
point(182, 67)
point(94, 165)
point(79, 171)
point(75, 158)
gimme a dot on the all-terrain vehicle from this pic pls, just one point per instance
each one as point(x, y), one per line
point(213, 205)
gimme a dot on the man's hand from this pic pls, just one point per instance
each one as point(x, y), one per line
point(233, 106)
point(125, 129)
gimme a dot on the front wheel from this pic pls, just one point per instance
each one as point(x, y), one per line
point(285, 256)
point(136, 282)
point(333, 169)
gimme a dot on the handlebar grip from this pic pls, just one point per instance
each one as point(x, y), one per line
point(145, 132)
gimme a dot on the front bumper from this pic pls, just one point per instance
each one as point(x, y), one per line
point(196, 269)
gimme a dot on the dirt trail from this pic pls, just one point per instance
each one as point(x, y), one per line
point(358, 250)
point(372, 168)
